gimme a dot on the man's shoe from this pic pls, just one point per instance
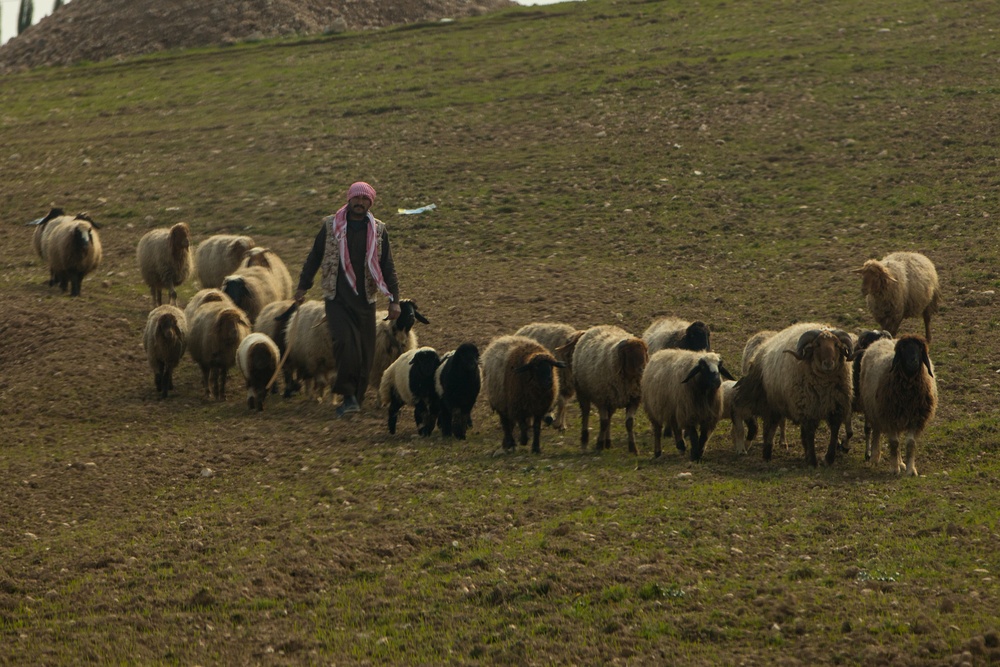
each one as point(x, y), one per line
point(348, 407)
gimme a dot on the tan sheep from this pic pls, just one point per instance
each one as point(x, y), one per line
point(901, 285)
point(269, 259)
point(215, 333)
point(608, 363)
point(73, 249)
point(218, 256)
point(559, 339)
point(205, 296)
point(165, 339)
point(253, 287)
point(310, 349)
point(257, 358)
point(899, 395)
point(165, 260)
point(521, 386)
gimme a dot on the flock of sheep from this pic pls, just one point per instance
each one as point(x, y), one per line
point(244, 316)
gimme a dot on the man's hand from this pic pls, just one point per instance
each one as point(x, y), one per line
point(300, 296)
point(394, 311)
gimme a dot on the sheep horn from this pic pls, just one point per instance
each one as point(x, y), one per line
point(848, 345)
point(805, 340)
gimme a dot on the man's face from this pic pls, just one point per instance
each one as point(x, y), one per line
point(359, 205)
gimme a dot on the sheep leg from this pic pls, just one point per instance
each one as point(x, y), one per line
point(927, 330)
point(897, 461)
point(173, 295)
point(419, 415)
point(154, 296)
point(395, 404)
point(809, 441)
point(771, 423)
point(657, 437)
point(584, 422)
point(508, 432)
point(204, 381)
point(604, 438)
point(427, 423)
point(459, 423)
point(868, 440)
point(833, 421)
point(522, 426)
point(876, 448)
point(845, 444)
point(696, 444)
point(536, 435)
point(911, 452)
point(75, 278)
point(678, 435)
point(560, 416)
point(445, 419)
point(630, 426)
point(784, 437)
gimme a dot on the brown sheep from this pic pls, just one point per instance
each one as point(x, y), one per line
point(901, 285)
point(165, 260)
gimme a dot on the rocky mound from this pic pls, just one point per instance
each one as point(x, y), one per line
point(97, 30)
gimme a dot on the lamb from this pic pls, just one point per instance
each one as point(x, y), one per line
point(393, 337)
point(268, 259)
point(73, 249)
point(607, 370)
point(165, 340)
point(800, 373)
point(204, 296)
point(670, 332)
point(257, 358)
point(310, 348)
point(521, 385)
point(215, 333)
point(559, 339)
point(409, 380)
point(165, 260)
point(457, 383)
point(899, 395)
point(218, 256)
point(273, 321)
point(253, 287)
point(682, 390)
point(901, 285)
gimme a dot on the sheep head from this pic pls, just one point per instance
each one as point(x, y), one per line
point(467, 355)
point(632, 357)
point(866, 338)
point(697, 337)
point(539, 367)
point(709, 373)
point(565, 351)
point(825, 348)
point(875, 278)
point(257, 257)
point(167, 328)
point(408, 316)
point(180, 240)
point(911, 354)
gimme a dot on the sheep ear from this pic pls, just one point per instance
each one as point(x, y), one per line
point(725, 372)
point(926, 361)
point(420, 317)
point(559, 364)
point(694, 371)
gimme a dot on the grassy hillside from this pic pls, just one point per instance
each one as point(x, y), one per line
point(596, 162)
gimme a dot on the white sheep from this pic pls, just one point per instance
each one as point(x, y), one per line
point(165, 340)
point(899, 395)
point(521, 386)
point(682, 390)
point(208, 295)
point(310, 348)
point(802, 373)
point(559, 339)
point(901, 285)
point(670, 332)
point(273, 321)
point(257, 357)
point(165, 260)
point(607, 370)
point(73, 249)
point(744, 425)
point(269, 259)
point(214, 335)
point(218, 256)
point(409, 380)
point(253, 287)
point(393, 338)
